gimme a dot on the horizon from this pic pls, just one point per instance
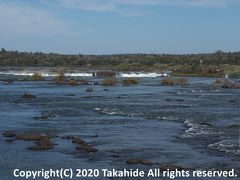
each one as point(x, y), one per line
point(76, 54)
point(111, 27)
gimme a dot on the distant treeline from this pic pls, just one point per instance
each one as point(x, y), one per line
point(15, 58)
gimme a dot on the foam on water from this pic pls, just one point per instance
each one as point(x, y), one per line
point(45, 74)
point(227, 145)
point(142, 74)
point(114, 111)
point(196, 129)
point(85, 74)
point(169, 118)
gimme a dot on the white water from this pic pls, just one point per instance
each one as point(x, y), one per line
point(45, 74)
point(141, 74)
point(86, 74)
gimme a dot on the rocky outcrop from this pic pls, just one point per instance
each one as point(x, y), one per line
point(80, 144)
point(28, 96)
point(42, 142)
point(226, 84)
point(9, 134)
point(139, 161)
point(29, 137)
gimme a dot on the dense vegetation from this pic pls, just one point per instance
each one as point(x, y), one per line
point(14, 58)
point(212, 64)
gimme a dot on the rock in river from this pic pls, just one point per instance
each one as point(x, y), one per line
point(9, 134)
point(139, 161)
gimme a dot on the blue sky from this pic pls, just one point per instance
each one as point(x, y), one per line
point(120, 26)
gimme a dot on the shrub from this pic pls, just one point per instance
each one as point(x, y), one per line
point(8, 81)
point(83, 81)
point(60, 79)
point(129, 81)
point(72, 82)
point(225, 83)
point(168, 81)
point(108, 82)
point(37, 77)
point(181, 82)
point(106, 74)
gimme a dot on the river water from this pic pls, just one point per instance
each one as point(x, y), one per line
point(196, 126)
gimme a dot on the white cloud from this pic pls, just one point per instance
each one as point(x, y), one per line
point(117, 5)
point(91, 5)
point(18, 20)
point(200, 3)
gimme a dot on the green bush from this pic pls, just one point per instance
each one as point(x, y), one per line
point(105, 74)
point(168, 81)
point(83, 81)
point(72, 82)
point(37, 77)
point(181, 82)
point(108, 82)
point(60, 79)
point(225, 83)
point(129, 81)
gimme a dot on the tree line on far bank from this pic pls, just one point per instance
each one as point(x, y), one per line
point(39, 59)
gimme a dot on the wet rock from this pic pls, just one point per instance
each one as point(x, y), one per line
point(28, 96)
point(72, 82)
point(146, 162)
point(206, 124)
point(86, 148)
point(29, 137)
point(226, 84)
point(179, 100)
point(44, 117)
point(43, 144)
point(10, 140)
point(81, 144)
point(115, 156)
point(234, 126)
point(139, 161)
point(8, 81)
point(9, 134)
point(89, 90)
point(171, 167)
point(83, 81)
point(69, 94)
point(87, 97)
point(94, 136)
point(77, 140)
point(51, 135)
point(67, 137)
